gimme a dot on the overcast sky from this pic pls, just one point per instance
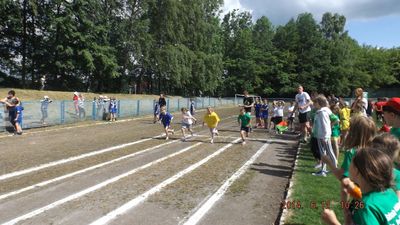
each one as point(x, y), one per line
point(373, 22)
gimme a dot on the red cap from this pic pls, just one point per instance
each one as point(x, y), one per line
point(393, 103)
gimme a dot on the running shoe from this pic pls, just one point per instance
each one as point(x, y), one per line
point(320, 174)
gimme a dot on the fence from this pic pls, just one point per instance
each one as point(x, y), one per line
point(64, 112)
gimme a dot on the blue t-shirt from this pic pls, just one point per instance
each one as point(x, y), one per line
point(166, 118)
point(257, 108)
point(264, 111)
point(113, 106)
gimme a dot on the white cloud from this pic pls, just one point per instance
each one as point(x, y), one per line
point(280, 11)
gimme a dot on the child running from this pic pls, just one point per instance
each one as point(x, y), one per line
point(187, 121)
point(211, 119)
point(372, 169)
point(166, 119)
point(244, 122)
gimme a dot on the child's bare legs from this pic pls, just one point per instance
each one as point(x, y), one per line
point(183, 133)
point(18, 128)
point(242, 135)
point(266, 126)
point(213, 133)
point(335, 147)
point(343, 137)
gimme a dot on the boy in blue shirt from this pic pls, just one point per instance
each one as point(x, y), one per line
point(166, 119)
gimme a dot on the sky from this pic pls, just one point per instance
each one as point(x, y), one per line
point(370, 22)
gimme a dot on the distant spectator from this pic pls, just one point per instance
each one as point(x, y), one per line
point(161, 101)
point(18, 116)
point(360, 101)
point(44, 105)
point(156, 111)
point(76, 102)
point(113, 109)
point(192, 107)
point(42, 82)
point(81, 107)
point(10, 106)
point(369, 109)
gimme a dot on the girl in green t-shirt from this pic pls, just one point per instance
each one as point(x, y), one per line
point(391, 146)
point(372, 169)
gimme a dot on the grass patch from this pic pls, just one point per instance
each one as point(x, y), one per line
point(311, 194)
point(29, 95)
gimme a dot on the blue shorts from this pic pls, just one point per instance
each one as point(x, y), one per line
point(113, 110)
point(166, 124)
point(264, 116)
point(258, 115)
point(19, 120)
point(11, 116)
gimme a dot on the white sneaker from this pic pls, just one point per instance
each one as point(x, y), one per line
point(319, 174)
point(212, 141)
point(166, 138)
point(243, 142)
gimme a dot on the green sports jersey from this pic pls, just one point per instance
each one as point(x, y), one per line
point(245, 119)
point(396, 175)
point(379, 208)
point(348, 156)
point(395, 131)
point(336, 127)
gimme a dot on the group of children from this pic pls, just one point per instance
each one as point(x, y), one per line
point(262, 112)
point(371, 160)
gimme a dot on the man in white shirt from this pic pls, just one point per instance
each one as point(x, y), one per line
point(303, 102)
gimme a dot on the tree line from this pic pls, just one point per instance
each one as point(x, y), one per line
point(182, 47)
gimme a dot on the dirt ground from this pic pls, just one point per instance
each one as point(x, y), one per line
point(51, 191)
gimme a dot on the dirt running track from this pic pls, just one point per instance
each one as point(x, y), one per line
point(125, 173)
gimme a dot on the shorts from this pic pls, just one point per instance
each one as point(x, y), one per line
point(278, 119)
point(19, 120)
point(11, 116)
point(304, 117)
point(258, 115)
point(186, 125)
point(246, 129)
point(113, 110)
point(264, 116)
point(166, 124)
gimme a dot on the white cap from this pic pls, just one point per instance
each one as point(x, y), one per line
point(346, 103)
point(46, 96)
point(76, 93)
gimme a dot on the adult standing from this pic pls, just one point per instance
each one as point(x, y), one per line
point(76, 102)
point(303, 102)
point(161, 101)
point(42, 82)
point(11, 106)
point(360, 100)
point(248, 102)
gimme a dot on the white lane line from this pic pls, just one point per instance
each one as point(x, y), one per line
point(94, 188)
point(44, 183)
point(136, 201)
point(74, 158)
point(196, 217)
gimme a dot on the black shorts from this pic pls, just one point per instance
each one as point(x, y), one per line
point(278, 119)
point(304, 117)
point(245, 129)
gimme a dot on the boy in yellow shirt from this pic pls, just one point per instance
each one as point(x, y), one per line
point(211, 119)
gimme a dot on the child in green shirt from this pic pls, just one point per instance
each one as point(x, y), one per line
point(244, 120)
